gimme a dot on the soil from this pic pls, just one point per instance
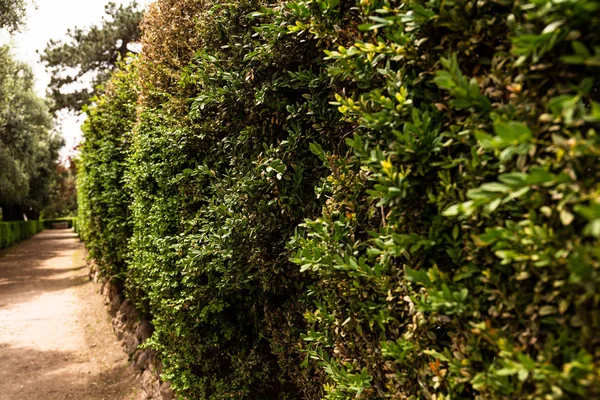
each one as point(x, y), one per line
point(56, 338)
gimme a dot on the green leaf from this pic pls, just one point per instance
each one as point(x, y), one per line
point(592, 228)
point(547, 310)
point(580, 49)
point(511, 133)
point(418, 276)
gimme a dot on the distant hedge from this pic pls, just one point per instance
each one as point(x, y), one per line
point(76, 226)
point(49, 223)
point(17, 231)
point(363, 199)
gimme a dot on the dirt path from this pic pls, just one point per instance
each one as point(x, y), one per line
point(56, 341)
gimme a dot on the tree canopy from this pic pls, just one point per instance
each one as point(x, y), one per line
point(85, 60)
point(28, 146)
point(63, 193)
point(12, 13)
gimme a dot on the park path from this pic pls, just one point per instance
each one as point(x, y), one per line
point(56, 340)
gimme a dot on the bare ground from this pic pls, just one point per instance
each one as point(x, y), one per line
point(56, 340)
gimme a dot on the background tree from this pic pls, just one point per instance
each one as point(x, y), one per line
point(63, 196)
point(12, 13)
point(87, 58)
point(28, 146)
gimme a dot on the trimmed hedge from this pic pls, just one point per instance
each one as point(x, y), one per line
point(103, 216)
point(17, 231)
point(49, 223)
point(76, 226)
point(367, 199)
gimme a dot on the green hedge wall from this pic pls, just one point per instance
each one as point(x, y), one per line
point(17, 231)
point(76, 226)
point(364, 199)
point(103, 221)
point(49, 223)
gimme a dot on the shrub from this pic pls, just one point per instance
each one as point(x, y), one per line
point(456, 256)
point(76, 226)
point(220, 178)
point(49, 223)
point(103, 204)
point(17, 231)
point(401, 196)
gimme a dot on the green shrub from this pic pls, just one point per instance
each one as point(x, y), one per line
point(371, 199)
point(103, 204)
point(49, 223)
point(457, 255)
point(17, 231)
point(76, 226)
point(4, 240)
point(220, 178)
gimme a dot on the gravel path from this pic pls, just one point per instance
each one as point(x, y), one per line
point(56, 341)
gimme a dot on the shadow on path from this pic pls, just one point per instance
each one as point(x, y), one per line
point(58, 375)
point(25, 270)
point(56, 341)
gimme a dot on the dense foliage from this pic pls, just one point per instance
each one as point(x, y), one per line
point(367, 199)
point(63, 193)
point(28, 145)
point(59, 223)
point(14, 232)
point(86, 59)
point(12, 14)
point(103, 204)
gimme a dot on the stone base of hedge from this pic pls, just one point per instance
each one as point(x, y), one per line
point(132, 330)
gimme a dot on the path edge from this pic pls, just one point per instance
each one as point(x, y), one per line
point(131, 331)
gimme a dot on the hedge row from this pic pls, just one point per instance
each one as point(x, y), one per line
point(14, 232)
point(76, 225)
point(365, 199)
point(49, 223)
point(103, 218)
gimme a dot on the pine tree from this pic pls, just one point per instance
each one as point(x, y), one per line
point(90, 55)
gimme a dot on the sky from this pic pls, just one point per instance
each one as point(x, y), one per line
point(50, 19)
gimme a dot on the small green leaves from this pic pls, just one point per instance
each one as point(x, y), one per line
point(582, 55)
point(418, 276)
point(592, 214)
point(318, 151)
point(511, 133)
point(465, 93)
point(457, 209)
point(358, 200)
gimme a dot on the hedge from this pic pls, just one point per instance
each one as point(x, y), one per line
point(49, 223)
point(103, 213)
point(76, 225)
point(365, 199)
point(17, 231)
